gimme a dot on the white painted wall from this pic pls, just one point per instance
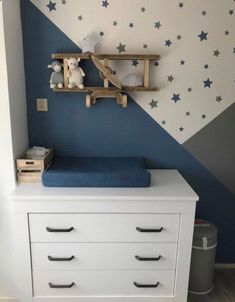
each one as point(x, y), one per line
point(13, 132)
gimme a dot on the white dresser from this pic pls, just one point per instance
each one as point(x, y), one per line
point(105, 244)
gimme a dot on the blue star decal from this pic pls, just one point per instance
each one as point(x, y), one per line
point(51, 5)
point(105, 3)
point(216, 53)
point(153, 104)
point(157, 25)
point(168, 43)
point(176, 97)
point(135, 63)
point(207, 83)
point(203, 36)
point(121, 47)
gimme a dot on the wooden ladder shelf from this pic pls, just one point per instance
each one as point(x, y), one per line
point(120, 93)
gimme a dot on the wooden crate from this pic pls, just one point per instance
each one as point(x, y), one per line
point(30, 170)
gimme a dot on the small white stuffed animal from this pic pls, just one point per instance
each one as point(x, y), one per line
point(57, 78)
point(75, 74)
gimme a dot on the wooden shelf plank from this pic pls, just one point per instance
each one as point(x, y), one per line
point(113, 89)
point(107, 56)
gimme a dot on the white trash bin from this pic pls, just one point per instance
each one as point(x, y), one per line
point(203, 258)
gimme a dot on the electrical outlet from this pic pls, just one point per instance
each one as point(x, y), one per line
point(42, 105)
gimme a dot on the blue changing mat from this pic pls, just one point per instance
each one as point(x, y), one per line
point(97, 172)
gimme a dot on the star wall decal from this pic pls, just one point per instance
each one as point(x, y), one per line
point(204, 12)
point(52, 6)
point(101, 33)
point(145, 46)
point(115, 23)
point(206, 66)
point(170, 78)
point(80, 18)
point(182, 62)
point(156, 64)
point(231, 11)
point(218, 99)
point(203, 116)
point(168, 43)
point(153, 104)
point(105, 3)
point(190, 89)
point(181, 129)
point(63, 2)
point(121, 48)
point(207, 83)
point(179, 37)
point(143, 9)
point(181, 4)
point(187, 113)
point(216, 53)
point(203, 36)
point(131, 25)
point(163, 122)
point(135, 63)
point(157, 25)
point(226, 32)
point(176, 97)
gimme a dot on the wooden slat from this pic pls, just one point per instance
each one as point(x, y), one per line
point(146, 73)
point(92, 89)
point(107, 56)
point(106, 81)
point(66, 69)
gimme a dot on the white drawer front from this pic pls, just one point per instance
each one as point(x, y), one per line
point(103, 256)
point(104, 227)
point(103, 283)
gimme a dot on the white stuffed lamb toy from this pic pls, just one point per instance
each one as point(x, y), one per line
point(75, 74)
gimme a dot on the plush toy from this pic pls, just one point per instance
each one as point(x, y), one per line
point(57, 78)
point(88, 43)
point(75, 74)
point(133, 79)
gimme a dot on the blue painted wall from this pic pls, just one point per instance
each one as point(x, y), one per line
point(108, 130)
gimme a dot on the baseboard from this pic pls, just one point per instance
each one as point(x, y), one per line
point(225, 266)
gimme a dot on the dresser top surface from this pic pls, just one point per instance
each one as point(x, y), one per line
point(165, 185)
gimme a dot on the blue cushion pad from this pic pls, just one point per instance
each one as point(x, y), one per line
point(97, 172)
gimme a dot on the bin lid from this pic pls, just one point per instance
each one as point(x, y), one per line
point(204, 232)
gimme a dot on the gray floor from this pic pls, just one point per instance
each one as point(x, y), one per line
point(224, 288)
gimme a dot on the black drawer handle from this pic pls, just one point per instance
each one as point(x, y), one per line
point(149, 230)
point(61, 285)
point(148, 258)
point(51, 230)
point(146, 285)
point(50, 258)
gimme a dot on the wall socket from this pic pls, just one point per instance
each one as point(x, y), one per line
point(42, 105)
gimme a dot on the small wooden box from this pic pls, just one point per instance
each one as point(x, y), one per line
point(30, 170)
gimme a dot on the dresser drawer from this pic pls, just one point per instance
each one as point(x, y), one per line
point(103, 283)
point(104, 227)
point(103, 256)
